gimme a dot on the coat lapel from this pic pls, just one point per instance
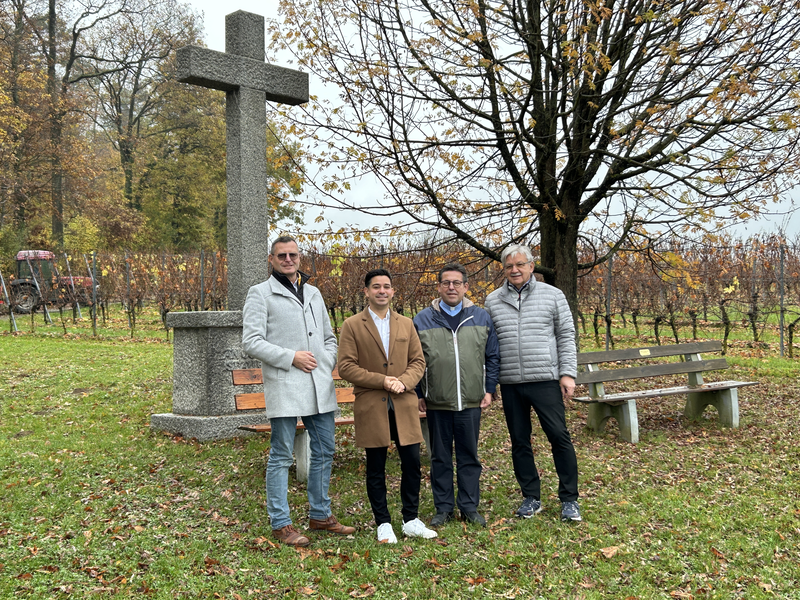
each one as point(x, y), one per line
point(373, 331)
point(394, 325)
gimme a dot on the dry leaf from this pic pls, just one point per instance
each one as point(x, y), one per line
point(610, 551)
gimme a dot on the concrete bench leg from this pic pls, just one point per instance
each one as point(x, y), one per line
point(725, 401)
point(302, 454)
point(624, 414)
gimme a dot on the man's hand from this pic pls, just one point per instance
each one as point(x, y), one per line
point(393, 385)
point(567, 384)
point(304, 361)
point(423, 407)
point(487, 400)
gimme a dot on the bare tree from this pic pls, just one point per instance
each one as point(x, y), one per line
point(547, 121)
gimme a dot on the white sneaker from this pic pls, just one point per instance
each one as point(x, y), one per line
point(416, 528)
point(386, 534)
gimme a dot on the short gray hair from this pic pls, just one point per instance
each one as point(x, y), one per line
point(516, 249)
point(284, 239)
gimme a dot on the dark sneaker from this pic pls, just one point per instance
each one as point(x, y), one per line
point(530, 506)
point(474, 517)
point(440, 518)
point(570, 511)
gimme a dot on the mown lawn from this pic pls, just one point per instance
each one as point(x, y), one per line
point(94, 504)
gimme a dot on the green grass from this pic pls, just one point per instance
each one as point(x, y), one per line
point(93, 504)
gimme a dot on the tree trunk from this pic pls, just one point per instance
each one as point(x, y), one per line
point(56, 182)
point(559, 256)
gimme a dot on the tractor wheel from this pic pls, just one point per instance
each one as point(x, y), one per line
point(24, 299)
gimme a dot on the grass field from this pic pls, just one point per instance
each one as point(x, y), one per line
point(93, 504)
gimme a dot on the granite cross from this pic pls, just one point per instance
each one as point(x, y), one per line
point(249, 82)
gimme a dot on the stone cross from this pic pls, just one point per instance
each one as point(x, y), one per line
point(249, 82)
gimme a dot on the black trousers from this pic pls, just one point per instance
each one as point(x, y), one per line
point(459, 429)
point(409, 481)
point(545, 399)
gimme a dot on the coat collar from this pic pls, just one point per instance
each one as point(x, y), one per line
point(394, 321)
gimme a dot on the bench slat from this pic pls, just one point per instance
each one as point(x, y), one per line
point(246, 376)
point(266, 428)
point(713, 386)
point(254, 376)
point(256, 399)
point(585, 358)
point(601, 376)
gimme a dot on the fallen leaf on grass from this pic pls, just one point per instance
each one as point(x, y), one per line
point(718, 554)
point(610, 551)
point(681, 595)
point(434, 563)
point(306, 591)
point(366, 591)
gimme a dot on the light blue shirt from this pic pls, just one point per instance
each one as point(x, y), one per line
point(451, 310)
point(383, 328)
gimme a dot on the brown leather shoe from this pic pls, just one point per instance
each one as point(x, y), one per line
point(289, 535)
point(332, 525)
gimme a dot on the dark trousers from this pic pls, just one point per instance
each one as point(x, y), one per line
point(409, 481)
point(545, 398)
point(460, 429)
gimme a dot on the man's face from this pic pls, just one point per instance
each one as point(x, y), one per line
point(285, 259)
point(518, 269)
point(452, 288)
point(379, 292)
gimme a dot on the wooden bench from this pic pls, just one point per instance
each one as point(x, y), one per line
point(302, 453)
point(622, 405)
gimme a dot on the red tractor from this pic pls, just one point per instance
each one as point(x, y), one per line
point(37, 281)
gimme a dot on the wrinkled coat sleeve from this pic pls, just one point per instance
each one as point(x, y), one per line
point(492, 360)
point(415, 368)
point(565, 338)
point(255, 316)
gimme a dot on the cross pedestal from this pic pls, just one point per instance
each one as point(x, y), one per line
point(207, 345)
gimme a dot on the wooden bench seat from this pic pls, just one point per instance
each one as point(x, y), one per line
point(622, 405)
point(256, 401)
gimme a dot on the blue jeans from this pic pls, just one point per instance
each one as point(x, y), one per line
point(320, 430)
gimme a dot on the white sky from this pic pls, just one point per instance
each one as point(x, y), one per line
point(214, 12)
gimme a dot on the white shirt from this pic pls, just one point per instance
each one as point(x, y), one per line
point(383, 328)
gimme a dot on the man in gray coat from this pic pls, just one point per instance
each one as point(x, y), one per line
point(538, 366)
point(286, 327)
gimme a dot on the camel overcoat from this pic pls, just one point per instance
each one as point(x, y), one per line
point(363, 362)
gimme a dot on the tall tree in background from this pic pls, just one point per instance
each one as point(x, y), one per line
point(139, 43)
point(550, 121)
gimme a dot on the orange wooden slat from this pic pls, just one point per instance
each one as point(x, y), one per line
point(246, 376)
point(250, 401)
point(345, 395)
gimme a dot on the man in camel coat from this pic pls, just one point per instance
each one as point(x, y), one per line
point(381, 355)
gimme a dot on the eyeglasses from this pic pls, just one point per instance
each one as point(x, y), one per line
point(518, 265)
point(293, 256)
point(455, 284)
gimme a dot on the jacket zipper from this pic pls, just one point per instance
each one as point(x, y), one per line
point(458, 363)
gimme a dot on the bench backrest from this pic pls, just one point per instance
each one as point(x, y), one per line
point(256, 400)
point(692, 363)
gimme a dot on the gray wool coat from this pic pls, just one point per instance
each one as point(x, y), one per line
point(276, 325)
